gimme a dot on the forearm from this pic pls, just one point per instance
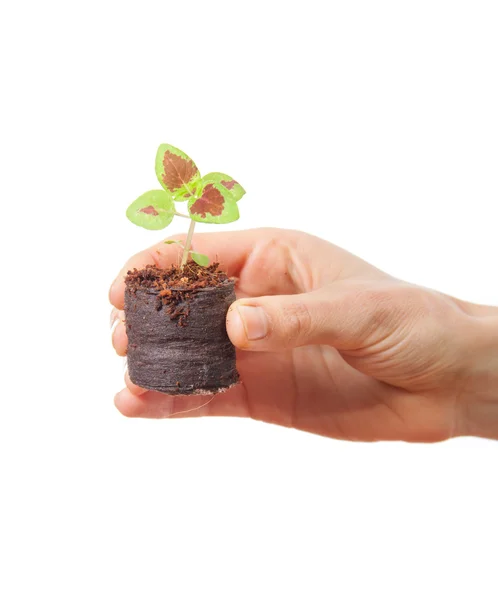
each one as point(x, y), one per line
point(479, 391)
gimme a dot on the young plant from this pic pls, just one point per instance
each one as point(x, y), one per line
point(210, 199)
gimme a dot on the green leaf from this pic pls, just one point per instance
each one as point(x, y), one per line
point(214, 204)
point(201, 259)
point(176, 172)
point(173, 242)
point(234, 187)
point(152, 210)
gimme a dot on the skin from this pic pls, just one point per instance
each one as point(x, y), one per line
point(331, 345)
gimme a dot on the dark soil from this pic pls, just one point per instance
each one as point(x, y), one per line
point(175, 321)
point(191, 277)
point(175, 286)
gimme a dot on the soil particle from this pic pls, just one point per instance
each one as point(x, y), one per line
point(175, 286)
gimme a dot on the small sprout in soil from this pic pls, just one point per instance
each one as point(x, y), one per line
point(201, 259)
point(210, 199)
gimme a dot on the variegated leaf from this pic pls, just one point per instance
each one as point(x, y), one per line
point(176, 172)
point(214, 204)
point(152, 210)
point(234, 187)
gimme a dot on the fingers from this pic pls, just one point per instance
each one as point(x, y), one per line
point(230, 249)
point(273, 323)
point(268, 261)
point(114, 319)
point(340, 315)
point(154, 405)
point(132, 387)
point(118, 336)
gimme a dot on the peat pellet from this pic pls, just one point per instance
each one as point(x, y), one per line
point(180, 347)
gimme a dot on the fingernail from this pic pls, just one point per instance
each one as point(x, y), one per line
point(113, 321)
point(254, 320)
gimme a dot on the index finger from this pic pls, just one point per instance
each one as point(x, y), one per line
point(231, 249)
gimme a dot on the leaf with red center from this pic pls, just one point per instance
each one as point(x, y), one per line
point(149, 210)
point(213, 204)
point(176, 172)
point(153, 210)
point(229, 183)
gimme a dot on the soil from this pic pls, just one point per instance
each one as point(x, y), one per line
point(175, 286)
point(175, 321)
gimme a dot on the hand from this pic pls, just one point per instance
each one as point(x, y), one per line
point(331, 345)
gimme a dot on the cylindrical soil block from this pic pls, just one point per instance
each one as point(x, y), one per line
point(190, 355)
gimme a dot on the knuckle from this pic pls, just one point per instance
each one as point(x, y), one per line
point(388, 305)
point(374, 312)
point(297, 320)
point(379, 301)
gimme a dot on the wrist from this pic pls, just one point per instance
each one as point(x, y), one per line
point(478, 397)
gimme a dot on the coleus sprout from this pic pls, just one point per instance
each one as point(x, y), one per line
point(210, 199)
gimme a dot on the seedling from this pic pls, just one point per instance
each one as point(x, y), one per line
point(210, 199)
point(175, 317)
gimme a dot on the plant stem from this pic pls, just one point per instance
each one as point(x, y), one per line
point(188, 243)
point(181, 215)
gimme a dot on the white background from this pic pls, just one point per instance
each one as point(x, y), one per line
point(372, 124)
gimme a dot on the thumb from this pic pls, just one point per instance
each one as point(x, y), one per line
point(331, 315)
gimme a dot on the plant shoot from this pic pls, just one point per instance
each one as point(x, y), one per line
point(210, 199)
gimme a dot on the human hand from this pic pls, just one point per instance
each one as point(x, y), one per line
point(331, 345)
